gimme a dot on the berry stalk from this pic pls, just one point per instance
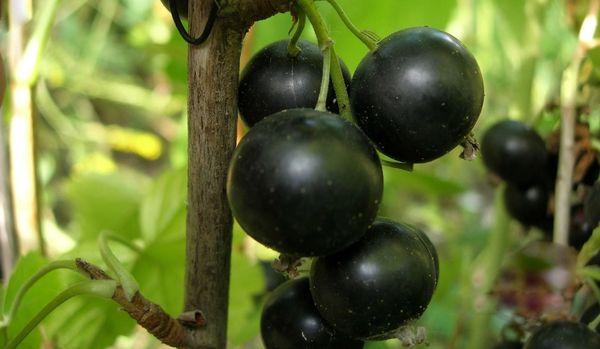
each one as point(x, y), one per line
point(127, 281)
point(365, 37)
point(293, 49)
point(320, 28)
point(322, 101)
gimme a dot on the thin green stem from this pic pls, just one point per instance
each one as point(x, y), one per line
point(28, 68)
point(320, 28)
point(65, 264)
point(339, 86)
point(100, 288)
point(124, 242)
point(127, 281)
point(592, 272)
point(589, 249)
point(322, 101)
point(293, 48)
point(368, 40)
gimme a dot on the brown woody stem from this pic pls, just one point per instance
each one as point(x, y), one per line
point(213, 69)
point(147, 314)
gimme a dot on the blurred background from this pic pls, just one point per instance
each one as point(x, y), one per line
point(109, 106)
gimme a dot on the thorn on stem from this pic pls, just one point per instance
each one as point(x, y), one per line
point(192, 319)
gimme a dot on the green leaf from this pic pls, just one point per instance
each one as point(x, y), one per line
point(163, 218)
point(37, 297)
point(513, 12)
point(163, 209)
point(105, 202)
point(89, 322)
point(160, 271)
point(422, 182)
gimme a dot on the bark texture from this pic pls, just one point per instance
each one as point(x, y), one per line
point(212, 113)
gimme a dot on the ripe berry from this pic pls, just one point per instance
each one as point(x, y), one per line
point(515, 152)
point(182, 7)
point(529, 206)
point(291, 321)
point(563, 335)
point(274, 81)
point(373, 287)
point(304, 182)
point(418, 95)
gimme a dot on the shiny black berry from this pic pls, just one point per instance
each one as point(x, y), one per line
point(528, 206)
point(563, 335)
point(418, 94)
point(515, 152)
point(305, 183)
point(373, 287)
point(290, 321)
point(274, 81)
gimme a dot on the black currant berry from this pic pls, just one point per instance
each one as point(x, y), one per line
point(182, 7)
point(563, 335)
point(515, 152)
point(373, 287)
point(592, 206)
point(291, 321)
point(529, 206)
point(509, 345)
point(418, 95)
point(304, 182)
point(274, 81)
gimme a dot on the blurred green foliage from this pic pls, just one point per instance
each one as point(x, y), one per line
point(112, 151)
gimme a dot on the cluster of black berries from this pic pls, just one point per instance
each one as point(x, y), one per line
point(518, 154)
point(557, 335)
point(308, 183)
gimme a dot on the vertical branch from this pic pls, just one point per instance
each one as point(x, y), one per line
point(213, 79)
point(21, 136)
point(569, 87)
point(9, 247)
point(8, 243)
